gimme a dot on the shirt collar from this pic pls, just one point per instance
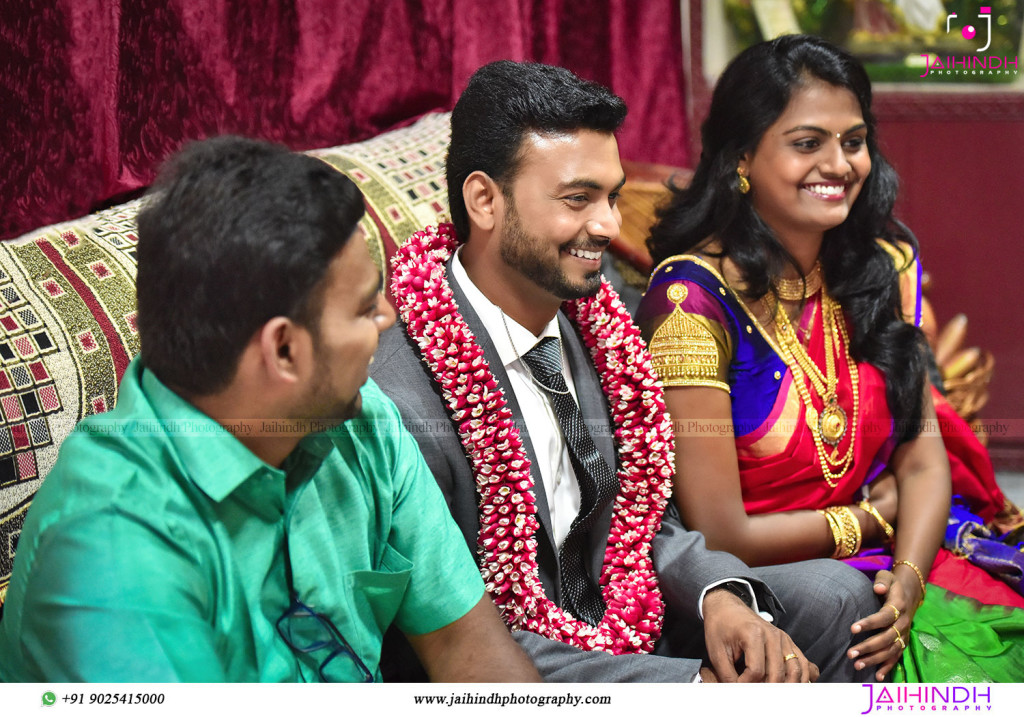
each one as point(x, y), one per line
point(208, 454)
point(511, 339)
point(216, 461)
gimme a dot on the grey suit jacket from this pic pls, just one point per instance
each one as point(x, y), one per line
point(684, 565)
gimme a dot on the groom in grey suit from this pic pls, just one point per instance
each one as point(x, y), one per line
point(533, 174)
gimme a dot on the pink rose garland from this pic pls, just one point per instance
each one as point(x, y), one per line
point(508, 522)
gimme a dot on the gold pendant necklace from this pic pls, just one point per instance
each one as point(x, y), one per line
point(830, 425)
point(832, 421)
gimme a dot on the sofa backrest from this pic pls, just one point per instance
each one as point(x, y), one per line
point(67, 305)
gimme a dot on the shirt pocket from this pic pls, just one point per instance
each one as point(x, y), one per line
point(379, 593)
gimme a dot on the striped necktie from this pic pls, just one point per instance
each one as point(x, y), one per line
point(598, 484)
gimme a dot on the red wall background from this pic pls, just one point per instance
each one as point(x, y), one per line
point(962, 193)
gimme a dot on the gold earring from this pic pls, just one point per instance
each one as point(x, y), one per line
point(744, 183)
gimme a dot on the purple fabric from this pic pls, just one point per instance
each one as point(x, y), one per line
point(1000, 555)
point(871, 561)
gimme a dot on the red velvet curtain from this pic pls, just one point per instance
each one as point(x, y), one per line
point(95, 93)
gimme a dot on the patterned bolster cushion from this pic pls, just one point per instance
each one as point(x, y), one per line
point(67, 305)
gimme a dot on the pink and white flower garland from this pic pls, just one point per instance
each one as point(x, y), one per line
point(508, 522)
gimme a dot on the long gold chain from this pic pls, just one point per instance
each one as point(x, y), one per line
point(824, 384)
point(830, 425)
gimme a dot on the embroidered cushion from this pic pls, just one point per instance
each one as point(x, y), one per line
point(67, 305)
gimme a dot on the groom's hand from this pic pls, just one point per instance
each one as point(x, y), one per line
point(733, 632)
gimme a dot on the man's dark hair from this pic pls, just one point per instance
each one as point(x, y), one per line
point(503, 102)
point(235, 232)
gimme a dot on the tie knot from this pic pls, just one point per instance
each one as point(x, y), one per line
point(545, 359)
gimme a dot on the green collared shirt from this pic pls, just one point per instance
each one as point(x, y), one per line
point(154, 550)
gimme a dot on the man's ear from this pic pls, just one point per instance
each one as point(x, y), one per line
point(285, 348)
point(483, 198)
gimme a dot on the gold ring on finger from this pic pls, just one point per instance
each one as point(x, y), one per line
point(899, 637)
point(896, 610)
point(789, 657)
point(903, 645)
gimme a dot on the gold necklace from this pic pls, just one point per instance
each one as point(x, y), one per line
point(829, 426)
point(824, 383)
point(798, 289)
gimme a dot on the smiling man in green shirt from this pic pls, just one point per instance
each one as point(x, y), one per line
point(251, 510)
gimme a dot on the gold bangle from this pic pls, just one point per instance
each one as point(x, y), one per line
point(917, 570)
point(851, 518)
point(836, 528)
point(873, 512)
point(845, 548)
point(851, 535)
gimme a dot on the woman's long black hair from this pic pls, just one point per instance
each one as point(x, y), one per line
point(749, 97)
